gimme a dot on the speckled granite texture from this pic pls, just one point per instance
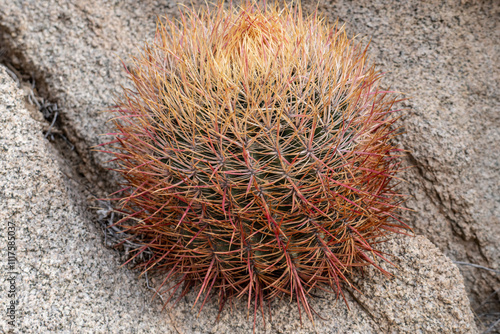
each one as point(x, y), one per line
point(443, 54)
point(68, 282)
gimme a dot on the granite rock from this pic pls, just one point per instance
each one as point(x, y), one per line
point(67, 281)
point(444, 55)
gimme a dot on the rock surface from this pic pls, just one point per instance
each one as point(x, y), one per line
point(444, 55)
point(67, 281)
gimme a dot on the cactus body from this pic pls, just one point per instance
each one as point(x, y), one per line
point(255, 149)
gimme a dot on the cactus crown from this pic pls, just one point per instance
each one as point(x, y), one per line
point(255, 149)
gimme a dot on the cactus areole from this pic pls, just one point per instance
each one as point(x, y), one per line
point(255, 149)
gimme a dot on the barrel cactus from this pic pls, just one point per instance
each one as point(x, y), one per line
point(255, 149)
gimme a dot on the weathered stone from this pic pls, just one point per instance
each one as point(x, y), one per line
point(443, 55)
point(68, 281)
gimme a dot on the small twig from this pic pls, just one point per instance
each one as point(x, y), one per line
point(363, 306)
point(161, 298)
point(488, 314)
point(72, 147)
point(33, 99)
point(476, 266)
point(12, 74)
point(151, 288)
point(492, 326)
point(488, 298)
point(105, 236)
point(51, 124)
